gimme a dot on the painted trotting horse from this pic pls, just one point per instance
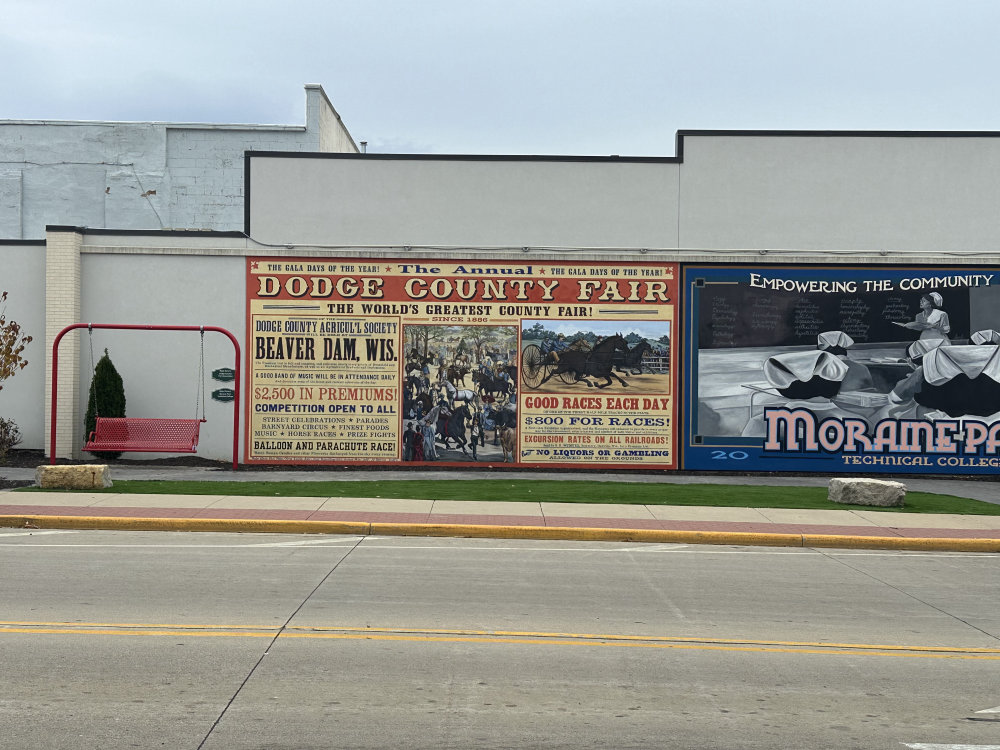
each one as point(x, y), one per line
point(630, 361)
point(598, 363)
point(490, 385)
point(452, 427)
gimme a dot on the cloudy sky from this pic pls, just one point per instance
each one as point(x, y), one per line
point(587, 77)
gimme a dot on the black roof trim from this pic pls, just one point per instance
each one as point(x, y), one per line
point(140, 232)
point(847, 133)
point(463, 157)
point(246, 192)
point(682, 134)
point(679, 147)
point(22, 242)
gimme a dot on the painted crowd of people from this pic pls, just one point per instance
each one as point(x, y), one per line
point(435, 388)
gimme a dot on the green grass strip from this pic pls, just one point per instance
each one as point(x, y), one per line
point(555, 491)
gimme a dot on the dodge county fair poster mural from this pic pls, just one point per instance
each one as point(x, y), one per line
point(421, 360)
point(853, 369)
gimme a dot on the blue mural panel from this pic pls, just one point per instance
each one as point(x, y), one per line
point(842, 369)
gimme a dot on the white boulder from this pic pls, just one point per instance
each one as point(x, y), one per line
point(73, 477)
point(877, 492)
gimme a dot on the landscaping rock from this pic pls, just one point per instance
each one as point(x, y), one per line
point(73, 477)
point(876, 492)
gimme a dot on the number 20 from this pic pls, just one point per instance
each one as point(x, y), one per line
point(734, 455)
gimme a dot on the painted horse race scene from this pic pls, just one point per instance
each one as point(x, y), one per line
point(558, 356)
point(459, 395)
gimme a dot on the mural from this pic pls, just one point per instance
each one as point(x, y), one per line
point(555, 354)
point(616, 387)
point(459, 391)
point(423, 360)
point(842, 369)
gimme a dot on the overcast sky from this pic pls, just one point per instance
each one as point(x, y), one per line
point(588, 77)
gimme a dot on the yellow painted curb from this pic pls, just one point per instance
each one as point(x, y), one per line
point(913, 544)
point(244, 525)
point(566, 533)
point(585, 534)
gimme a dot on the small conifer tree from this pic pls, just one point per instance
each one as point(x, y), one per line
point(107, 398)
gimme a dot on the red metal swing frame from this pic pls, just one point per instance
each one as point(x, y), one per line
point(137, 434)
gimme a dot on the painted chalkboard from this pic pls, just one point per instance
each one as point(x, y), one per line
point(740, 315)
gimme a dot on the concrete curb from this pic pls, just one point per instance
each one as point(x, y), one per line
point(360, 528)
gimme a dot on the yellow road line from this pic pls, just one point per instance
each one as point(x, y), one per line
point(669, 639)
point(134, 625)
point(499, 633)
point(501, 637)
point(956, 654)
point(142, 631)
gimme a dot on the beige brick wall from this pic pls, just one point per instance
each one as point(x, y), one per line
point(62, 308)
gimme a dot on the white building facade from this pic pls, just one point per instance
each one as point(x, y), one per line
point(876, 217)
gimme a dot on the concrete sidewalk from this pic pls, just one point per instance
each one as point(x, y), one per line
point(514, 519)
point(984, 490)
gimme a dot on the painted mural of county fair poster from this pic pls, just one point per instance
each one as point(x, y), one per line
point(413, 360)
point(842, 369)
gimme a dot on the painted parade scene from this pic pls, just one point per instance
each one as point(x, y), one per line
point(459, 393)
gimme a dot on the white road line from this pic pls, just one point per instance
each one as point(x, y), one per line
point(925, 746)
point(384, 543)
point(437, 548)
point(694, 550)
point(994, 710)
point(329, 542)
point(156, 546)
point(35, 532)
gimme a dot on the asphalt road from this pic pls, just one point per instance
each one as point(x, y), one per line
point(121, 640)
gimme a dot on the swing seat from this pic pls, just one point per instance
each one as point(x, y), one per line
point(140, 435)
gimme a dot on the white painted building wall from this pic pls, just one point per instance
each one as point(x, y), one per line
point(895, 193)
point(143, 175)
point(468, 201)
point(22, 396)
point(160, 369)
point(898, 193)
point(749, 198)
point(176, 278)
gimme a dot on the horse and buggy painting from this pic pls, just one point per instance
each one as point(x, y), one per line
point(598, 359)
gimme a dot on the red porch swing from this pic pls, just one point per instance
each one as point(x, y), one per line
point(147, 435)
point(141, 434)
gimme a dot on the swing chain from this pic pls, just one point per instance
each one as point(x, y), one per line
point(93, 368)
point(90, 336)
point(200, 399)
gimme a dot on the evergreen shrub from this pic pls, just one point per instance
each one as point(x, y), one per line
point(107, 399)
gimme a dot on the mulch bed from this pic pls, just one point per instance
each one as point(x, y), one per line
point(32, 459)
